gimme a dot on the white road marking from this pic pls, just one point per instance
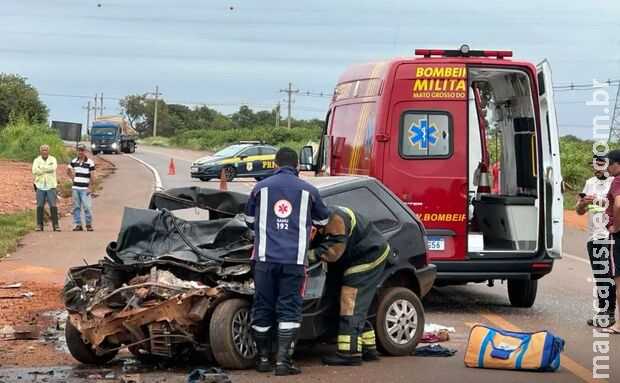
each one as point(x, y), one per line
point(158, 184)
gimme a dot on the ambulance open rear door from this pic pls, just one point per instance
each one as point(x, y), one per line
point(551, 170)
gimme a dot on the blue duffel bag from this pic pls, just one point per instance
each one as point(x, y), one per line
point(489, 347)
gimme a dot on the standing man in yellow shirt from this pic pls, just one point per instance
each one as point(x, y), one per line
point(44, 170)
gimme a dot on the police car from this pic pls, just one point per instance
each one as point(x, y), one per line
point(245, 159)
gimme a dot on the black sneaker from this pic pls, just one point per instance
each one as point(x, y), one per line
point(56, 228)
point(600, 322)
point(78, 228)
point(89, 228)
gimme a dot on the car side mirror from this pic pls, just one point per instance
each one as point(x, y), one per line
point(242, 157)
point(306, 158)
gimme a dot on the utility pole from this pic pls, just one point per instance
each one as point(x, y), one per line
point(278, 115)
point(290, 92)
point(88, 109)
point(155, 114)
point(614, 128)
point(101, 111)
point(95, 115)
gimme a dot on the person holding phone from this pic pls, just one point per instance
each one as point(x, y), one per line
point(82, 170)
point(598, 248)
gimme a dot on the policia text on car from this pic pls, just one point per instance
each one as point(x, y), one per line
point(281, 209)
point(357, 253)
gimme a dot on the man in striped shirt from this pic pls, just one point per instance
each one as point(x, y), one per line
point(281, 210)
point(82, 170)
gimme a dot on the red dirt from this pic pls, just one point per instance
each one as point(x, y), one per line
point(16, 194)
point(30, 311)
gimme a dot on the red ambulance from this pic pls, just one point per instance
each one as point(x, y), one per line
point(431, 128)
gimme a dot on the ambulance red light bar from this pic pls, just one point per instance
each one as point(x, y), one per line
point(464, 51)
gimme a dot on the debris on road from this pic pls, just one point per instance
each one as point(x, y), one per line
point(435, 350)
point(13, 286)
point(432, 327)
point(211, 375)
point(435, 336)
point(24, 332)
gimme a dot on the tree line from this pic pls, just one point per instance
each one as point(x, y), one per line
point(173, 119)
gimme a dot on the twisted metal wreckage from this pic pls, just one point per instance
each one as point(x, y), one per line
point(159, 290)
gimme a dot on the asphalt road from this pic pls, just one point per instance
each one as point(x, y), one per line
point(564, 301)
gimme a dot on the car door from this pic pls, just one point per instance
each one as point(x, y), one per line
point(247, 159)
point(266, 163)
point(551, 170)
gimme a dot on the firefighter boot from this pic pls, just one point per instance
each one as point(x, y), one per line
point(286, 346)
point(262, 339)
point(369, 355)
point(343, 359)
point(369, 347)
point(40, 214)
point(54, 214)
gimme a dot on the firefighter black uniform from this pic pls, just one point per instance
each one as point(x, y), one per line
point(281, 209)
point(354, 247)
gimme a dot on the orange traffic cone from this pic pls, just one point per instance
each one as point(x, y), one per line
point(171, 169)
point(223, 183)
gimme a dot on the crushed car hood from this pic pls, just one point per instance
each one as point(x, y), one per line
point(146, 235)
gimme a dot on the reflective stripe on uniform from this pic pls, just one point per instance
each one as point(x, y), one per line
point(249, 219)
point(262, 224)
point(368, 338)
point(302, 244)
point(367, 266)
point(344, 342)
point(352, 216)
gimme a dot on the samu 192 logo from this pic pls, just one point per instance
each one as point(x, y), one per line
point(282, 208)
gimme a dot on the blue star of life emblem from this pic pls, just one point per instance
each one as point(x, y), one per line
point(422, 134)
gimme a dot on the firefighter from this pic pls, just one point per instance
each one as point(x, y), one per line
point(355, 250)
point(281, 210)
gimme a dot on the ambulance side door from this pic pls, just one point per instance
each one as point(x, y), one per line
point(551, 169)
point(425, 158)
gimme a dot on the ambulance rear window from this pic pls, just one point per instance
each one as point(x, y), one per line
point(425, 134)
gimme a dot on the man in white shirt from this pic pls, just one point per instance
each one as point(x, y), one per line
point(598, 187)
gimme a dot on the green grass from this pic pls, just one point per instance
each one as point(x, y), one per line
point(14, 227)
point(20, 142)
point(156, 141)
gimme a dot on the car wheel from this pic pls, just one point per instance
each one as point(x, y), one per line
point(229, 334)
point(259, 178)
point(399, 322)
point(522, 293)
point(81, 351)
point(205, 179)
point(229, 173)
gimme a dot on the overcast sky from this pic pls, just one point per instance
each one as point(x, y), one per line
point(227, 53)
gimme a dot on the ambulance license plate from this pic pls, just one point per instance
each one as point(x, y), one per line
point(436, 243)
point(194, 169)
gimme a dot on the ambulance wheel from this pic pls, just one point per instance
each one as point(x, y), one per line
point(230, 173)
point(81, 351)
point(400, 321)
point(522, 293)
point(229, 334)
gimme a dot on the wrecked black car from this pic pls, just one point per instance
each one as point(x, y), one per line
point(173, 286)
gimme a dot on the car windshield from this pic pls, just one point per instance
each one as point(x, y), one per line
point(229, 151)
point(108, 131)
